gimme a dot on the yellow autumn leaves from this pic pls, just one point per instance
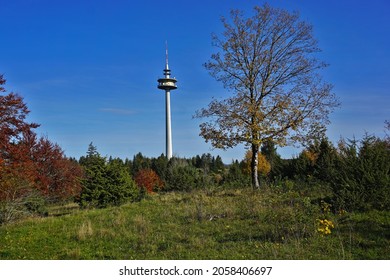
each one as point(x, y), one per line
point(263, 166)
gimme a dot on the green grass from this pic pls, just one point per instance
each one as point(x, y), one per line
point(203, 224)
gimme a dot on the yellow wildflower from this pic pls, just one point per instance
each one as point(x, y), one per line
point(325, 226)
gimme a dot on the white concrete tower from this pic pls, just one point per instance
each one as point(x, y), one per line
point(167, 83)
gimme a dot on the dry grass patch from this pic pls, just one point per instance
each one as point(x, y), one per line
point(85, 231)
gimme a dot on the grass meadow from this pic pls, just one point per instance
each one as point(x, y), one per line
point(203, 224)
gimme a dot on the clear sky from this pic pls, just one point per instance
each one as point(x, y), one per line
point(88, 69)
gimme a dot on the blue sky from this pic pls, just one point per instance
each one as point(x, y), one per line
point(88, 70)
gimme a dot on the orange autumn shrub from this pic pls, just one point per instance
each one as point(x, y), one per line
point(148, 179)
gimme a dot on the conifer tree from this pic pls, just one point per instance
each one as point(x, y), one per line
point(105, 183)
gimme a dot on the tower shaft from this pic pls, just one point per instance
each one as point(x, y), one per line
point(168, 129)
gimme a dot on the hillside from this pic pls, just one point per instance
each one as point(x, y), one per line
point(273, 223)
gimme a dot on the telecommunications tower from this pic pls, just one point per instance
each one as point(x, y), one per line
point(167, 83)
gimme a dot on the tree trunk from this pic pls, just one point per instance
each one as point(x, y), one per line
point(255, 160)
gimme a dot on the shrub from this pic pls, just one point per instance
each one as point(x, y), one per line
point(362, 180)
point(235, 178)
point(19, 200)
point(149, 180)
point(263, 166)
point(35, 204)
point(181, 176)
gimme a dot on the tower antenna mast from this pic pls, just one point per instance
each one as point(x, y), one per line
point(166, 55)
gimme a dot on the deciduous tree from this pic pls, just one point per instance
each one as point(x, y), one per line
point(267, 61)
point(28, 162)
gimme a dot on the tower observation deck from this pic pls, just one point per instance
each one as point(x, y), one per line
point(167, 83)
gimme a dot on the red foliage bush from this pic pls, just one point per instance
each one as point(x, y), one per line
point(148, 179)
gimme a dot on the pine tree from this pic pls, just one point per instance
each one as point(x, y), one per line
point(105, 183)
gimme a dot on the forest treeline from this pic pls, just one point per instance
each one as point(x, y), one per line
point(356, 172)
point(34, 172)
